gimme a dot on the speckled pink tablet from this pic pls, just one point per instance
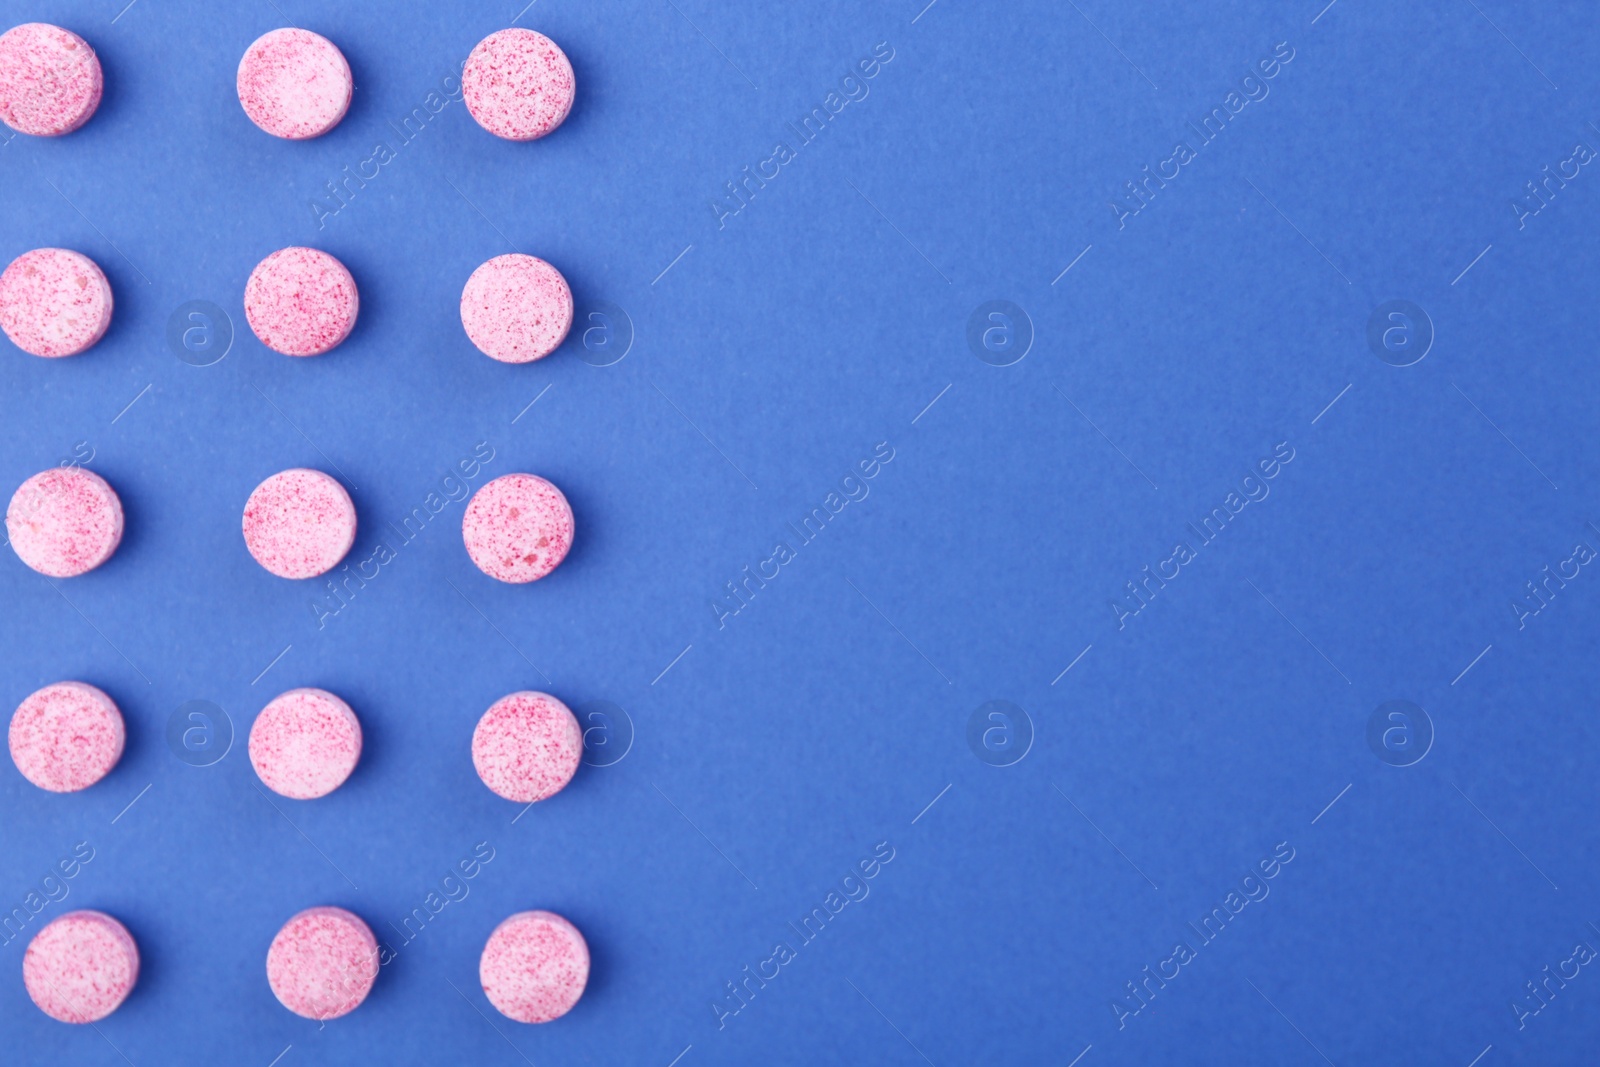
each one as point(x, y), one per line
point(516, 308)
point(305, 743)
point(64, 522)
point(299, 523)
point(301, 302)
point(50, 80)
point(518, 84)
point(517, 528)
point(66, 737)
point(294, 84)
point(81, 967)
point(322, 963)
point(54, 302)
point(527, 746)
point(534, 967)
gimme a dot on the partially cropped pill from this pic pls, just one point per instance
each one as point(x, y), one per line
point(322, 963)
point(518, 84)
point(64, 522)
point(527, 746)
point(66, 737)
point(299, 523)
point(50, 80)
point(534, 967)
point(54, 302)
point(301, 302)
point(305, 743)
point(81, 967)
point(517, 528)
point(294, 84)
point(516, 308)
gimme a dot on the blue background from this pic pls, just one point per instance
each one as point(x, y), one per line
point(778, 747)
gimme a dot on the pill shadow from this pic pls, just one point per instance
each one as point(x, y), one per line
point(371, 307)
point(116, 77)
point(586, 528)
point(578, 119)
point(126, 289)
point(601, 956)
point(134, 740)
point(362, 94)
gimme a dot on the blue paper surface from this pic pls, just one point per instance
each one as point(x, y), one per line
point(999, 343)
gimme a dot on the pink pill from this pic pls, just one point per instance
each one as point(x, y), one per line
point(54, 302)
point(66, 737)
point(305, 743)
point(517, 528)
point(81, 967)
point(527, 746)
point(64, 522)
point(50, 80)
point(301, 302)
point(534, 967)
point(322, 963)
point(299, 523)
point(518, 84)
point(294, 84)
point(516, 308)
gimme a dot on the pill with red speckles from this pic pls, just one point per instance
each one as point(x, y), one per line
point(294, 84)
point(50, 80)
point(81, 967)
point(516, 308)
point(527, 746)
point(305, 743)
point(64, 522)
point(54, 302)
point(517, 528)
point(299, 523)
point(518, 84)
point(534, 967)
point(322, 963)
point(66, 737)
point(301, 302)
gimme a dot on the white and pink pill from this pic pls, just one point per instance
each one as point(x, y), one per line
point(517, 528)
point(518, 84)
point(301, 302)
point(64, 522)
point(527, 746)
point(50, 80)
point(66, 737)
point(305, 743)
point(81, 967)
point(322, 963)
point(516, 308)
point(299, 523)
point(54, 302)
point(534, 967)
point(294, 84)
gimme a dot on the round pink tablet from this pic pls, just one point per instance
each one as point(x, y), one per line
point(305, 743)
point(294, 84)
point(66, 737)
point(301, 302)
point(517, 528)
point(322, 963)
point(518, 84)
point(54, 302)
point(527, 746)
point(516, 308)
point(299, 523)
point(50, 80)
point(65, 521)
point(81, 967)
point(534, 967)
